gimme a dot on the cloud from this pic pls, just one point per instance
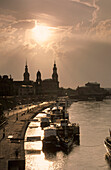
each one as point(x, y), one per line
point(25, 24)
point(102, 30)
point(91, 62)
point(104, 12)
point(66, 12)
point(17, 17)
point(90, 4)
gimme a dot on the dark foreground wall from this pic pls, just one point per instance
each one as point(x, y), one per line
point(16, 164)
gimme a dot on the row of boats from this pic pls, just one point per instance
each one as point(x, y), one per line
point(59, 132)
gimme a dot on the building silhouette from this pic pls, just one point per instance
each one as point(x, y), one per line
point(6, 86)
point(47, 86)
point(40, 87)
point(27, 91)
point(26, 74)
point(91, 91)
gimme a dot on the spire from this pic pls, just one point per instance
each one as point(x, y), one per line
point(55, 75)
point(26, 67)
point(26, 62)
point(26, 74)
point(38, 80)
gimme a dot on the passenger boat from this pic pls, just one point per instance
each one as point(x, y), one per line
point(58, 113)
point(61, 134)
point(50, 138)
point(65, 135)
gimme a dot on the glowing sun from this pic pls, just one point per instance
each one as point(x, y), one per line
point(41, 33)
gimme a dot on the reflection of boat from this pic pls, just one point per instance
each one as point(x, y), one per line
point(50, 138)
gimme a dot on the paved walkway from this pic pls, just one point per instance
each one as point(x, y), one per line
point(15, 128)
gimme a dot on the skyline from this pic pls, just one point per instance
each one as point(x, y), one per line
point(75, 33)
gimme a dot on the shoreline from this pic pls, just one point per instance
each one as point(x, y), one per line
point(10, 151)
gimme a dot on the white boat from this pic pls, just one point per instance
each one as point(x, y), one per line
point(50, 138)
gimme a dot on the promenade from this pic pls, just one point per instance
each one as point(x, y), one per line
point(13, 150)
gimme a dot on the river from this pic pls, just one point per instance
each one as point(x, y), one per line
point(94, 119)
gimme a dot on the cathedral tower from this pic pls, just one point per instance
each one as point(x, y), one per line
point(38, 84)
point(26, 74)
point(38, 80)
point(55, 75)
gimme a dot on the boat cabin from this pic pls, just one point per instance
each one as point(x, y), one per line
point(49, 131)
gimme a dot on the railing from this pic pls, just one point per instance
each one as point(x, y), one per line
point(3, 123)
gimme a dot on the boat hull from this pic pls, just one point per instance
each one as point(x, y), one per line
point(66, 144)
point(44, 124)
point(107, 146)
point(50, 144)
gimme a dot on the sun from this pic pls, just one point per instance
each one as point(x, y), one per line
point(41, 33)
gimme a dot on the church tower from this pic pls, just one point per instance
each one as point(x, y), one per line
point(55, 75)
point(26, 74)
point(38, 83)
point(38, 80)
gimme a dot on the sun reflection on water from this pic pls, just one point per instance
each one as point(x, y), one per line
point(37, 162)
point(35, 158)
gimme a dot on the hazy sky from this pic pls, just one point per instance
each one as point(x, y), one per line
point(75, 33)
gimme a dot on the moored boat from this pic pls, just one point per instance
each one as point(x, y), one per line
point(45, 122)
point(107, 143)
point(56, 113)
point(50, 138)
point(66, 143)
point(61, 133)
point(65, 135)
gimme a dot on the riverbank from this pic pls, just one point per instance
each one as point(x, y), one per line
point(13, 150)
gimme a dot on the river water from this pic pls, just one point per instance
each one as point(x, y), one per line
point(94, 119)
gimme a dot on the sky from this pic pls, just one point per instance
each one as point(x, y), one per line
point(74, 33)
